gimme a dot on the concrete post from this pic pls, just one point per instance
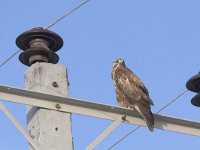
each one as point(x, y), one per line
point(51, 130)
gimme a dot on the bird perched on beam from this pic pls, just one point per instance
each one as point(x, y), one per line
point(131, 92)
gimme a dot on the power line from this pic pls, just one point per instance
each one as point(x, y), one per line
point(47, 27)
point(65, 15)
point(177, 97)
point(9, 58)
point(165, 106)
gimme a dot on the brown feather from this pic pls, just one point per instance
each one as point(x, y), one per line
point(131, 92)
point(131, 85)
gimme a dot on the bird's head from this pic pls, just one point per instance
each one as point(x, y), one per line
point(118, 62)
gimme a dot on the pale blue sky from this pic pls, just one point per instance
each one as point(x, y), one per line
point(159, 40)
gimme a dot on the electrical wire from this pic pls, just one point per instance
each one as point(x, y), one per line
point(65, 15)
point(165, 106)
point(9, 58)
point(47, 27)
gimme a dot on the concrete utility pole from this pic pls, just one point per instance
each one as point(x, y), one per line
point(50, 129)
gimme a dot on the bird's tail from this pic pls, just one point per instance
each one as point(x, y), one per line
point(147, 115)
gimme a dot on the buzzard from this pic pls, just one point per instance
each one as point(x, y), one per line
point(131, 92)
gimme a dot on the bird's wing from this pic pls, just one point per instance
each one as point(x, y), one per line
point(129, 84)
point(134, 78)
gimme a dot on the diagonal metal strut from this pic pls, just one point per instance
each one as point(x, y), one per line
point(18, 126)
point(104, 134)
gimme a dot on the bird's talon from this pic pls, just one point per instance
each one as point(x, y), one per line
point(123, 118)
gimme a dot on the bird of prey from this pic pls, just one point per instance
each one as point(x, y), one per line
point(131, 92)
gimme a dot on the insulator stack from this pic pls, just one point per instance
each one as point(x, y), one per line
point(39, 45)
point(193, 85)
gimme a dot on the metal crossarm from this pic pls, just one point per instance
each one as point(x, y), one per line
point(95, 110)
